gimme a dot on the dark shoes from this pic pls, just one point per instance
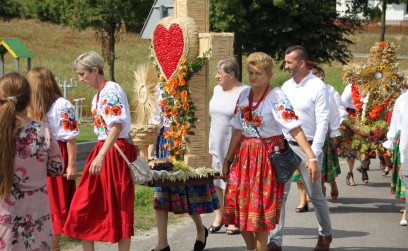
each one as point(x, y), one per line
point(164, 249)
point(350, 179)
point(232, 231)
point(364, 175)
point(272, 246)
point(305, 208)
point(323, 243)
point(199, 245)
point(213, 229)
point(386, 170)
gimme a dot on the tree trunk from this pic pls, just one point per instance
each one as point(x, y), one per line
point(111, 51)
point(383, 15)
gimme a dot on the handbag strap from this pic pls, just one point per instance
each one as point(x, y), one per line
point(256, 129)
point(118, 148)
point(121, 153)
point(263, 140)
point(250, 119)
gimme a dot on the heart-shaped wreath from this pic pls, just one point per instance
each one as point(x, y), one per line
point(174, 39)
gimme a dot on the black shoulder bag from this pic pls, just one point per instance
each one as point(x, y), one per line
point(284, 163)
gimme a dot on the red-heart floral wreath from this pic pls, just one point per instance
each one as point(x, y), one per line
point(175, 48)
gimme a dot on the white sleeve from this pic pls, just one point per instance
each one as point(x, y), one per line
point(404, 135)
point(334, 118)
point(395, 121)
point(322, 120)
point(343, 114)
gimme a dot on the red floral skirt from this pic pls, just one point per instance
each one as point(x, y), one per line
point(253, 197)
point(60, 191)
point(102, 207)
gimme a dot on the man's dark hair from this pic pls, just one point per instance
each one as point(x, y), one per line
point(301, 52)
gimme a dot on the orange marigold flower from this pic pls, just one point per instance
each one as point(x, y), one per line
point(167, 135)
point(184, 95)
point(186, 106)
point(281, 107)
point(64, 115)
point(104, 102)
point(163, 102)
point(176, 143)
point(181, 79)
point(177, 134)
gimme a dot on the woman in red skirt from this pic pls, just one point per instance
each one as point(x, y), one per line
point(253, 196)
point(102, 207)
point(47, 104)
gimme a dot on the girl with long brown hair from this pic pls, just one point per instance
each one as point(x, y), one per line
point(28, 153)
point(48, 105)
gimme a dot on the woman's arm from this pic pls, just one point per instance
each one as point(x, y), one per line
point(72, 152)
point(113, 135)
point(298, 134)
point(234, 143)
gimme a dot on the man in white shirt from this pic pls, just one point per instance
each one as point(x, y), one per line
point(403, 147)
point(309, 98)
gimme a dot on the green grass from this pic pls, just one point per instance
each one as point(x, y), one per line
point(86, 133)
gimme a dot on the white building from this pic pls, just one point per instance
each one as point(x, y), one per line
point(395, 12)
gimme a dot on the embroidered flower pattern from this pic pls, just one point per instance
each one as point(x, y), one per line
point(110, 105)
point(285, 109)
point(67, 118)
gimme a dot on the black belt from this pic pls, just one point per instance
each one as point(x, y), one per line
point(294, 143)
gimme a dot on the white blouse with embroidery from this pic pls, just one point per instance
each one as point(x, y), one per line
point(112, 107)
point(273, 116)
point(62, 121)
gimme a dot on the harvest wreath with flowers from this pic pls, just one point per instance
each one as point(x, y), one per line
point(178, 106)
point(375, 87)
point(175, 54)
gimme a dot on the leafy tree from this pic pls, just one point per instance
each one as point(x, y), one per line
point(108, 18)
point(384, 15)
point(9, 9)
point(273, 25)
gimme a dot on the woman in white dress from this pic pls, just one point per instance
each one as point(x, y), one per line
point(221, 111)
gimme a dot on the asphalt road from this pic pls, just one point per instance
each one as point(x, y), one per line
point(364, 217)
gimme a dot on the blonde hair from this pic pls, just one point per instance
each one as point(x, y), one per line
point(88, 60)
point(14, 97)
point(44, 92)
point(260, 60)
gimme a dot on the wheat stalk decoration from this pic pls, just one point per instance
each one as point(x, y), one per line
point(145, 103)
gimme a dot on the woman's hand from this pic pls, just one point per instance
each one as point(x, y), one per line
point(96, 165)
point(226, 170)
point(71, 172)
point(313, 169)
